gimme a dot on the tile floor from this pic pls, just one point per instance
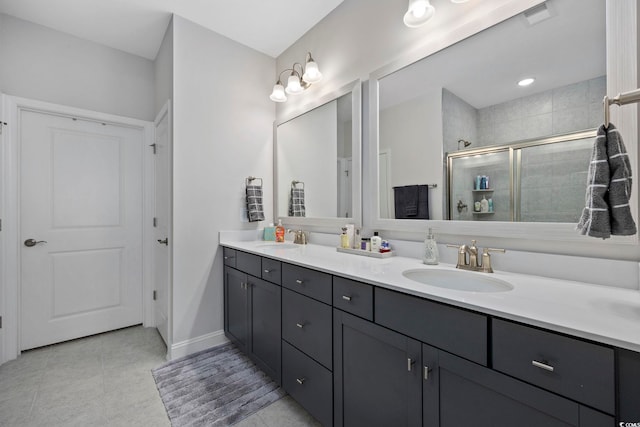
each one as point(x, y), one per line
point(104, 380)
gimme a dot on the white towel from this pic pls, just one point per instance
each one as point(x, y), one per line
point(607, 209)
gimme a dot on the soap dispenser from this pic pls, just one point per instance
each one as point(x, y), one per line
point(430, 255)
point(279, 232)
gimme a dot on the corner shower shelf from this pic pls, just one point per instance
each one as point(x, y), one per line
point(486, 190)
point(483, 213)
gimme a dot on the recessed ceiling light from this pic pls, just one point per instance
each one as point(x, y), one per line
point(526, 82)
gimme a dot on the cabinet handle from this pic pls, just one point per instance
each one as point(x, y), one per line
point(241, 285)
point(410, 363)
point(426, 372)
point(542, 365)
point(300, 380)
point(346, 297)
point(299, 282)
point(300, 325)
point(229, 257)
point(267, 271)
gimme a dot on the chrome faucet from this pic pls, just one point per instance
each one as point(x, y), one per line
point(472, 262)
point(300, 237)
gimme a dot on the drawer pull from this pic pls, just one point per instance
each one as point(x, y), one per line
point(267, 271)
point(299, 282)
point(300, 380)
point(426, 372)
point(410, 363)
point(346, 297)
point(229, 257)
point(542, 365)
point(300, 325)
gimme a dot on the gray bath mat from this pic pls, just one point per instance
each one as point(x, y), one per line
point(215, 387)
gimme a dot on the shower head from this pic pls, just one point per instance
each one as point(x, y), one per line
point(464, 142)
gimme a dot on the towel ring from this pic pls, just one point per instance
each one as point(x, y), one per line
point(294, 183)
point(251, 179)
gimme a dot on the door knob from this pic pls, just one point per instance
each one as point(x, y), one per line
point(164, 242)
point(32, 242)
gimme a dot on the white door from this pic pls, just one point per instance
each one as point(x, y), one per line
point(3, 139)
point(81, 206)
point(162, 223)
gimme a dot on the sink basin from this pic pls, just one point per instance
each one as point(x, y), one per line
point(278, 246)
point(458, 280)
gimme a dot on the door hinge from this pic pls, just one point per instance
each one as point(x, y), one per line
point(154, 147)
point(155, 295)
point(155, 221)
point(0, 322)
point(2, 125)
point(0, 224)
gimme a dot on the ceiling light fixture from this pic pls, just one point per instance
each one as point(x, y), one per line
point(420, 11)
point(300, 78)
point(526, 82)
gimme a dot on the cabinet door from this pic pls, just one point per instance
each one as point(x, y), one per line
point(376, 375)
point(472, 395)
point(236, 314)
point(264, 313)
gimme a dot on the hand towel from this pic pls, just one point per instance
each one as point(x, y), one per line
point(296, 202)
point(607, 208)
point(411, 202)
point(255, 211)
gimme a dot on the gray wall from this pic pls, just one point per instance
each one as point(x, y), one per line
point(163, 68)
point(47, 65)
point(223, 120)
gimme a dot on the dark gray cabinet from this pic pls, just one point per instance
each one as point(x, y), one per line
point(252, 317)
point(376, 375)
point(236, 301)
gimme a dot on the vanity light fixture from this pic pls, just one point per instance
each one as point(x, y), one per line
point(526, 82)
point(300, 78)
point(420, 11)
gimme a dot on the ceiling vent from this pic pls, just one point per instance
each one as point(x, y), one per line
point(537, 14)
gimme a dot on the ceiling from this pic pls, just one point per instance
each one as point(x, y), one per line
point(138, 26)
point(483, 70)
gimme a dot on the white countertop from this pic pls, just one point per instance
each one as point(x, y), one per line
point(599, 313)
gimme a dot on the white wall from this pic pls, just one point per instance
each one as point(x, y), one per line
point(47, 65)
point(415, 144)
point(223, 122)
point(303, 143)
point(163, 70)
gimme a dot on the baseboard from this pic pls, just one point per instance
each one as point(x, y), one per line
point(203, 342)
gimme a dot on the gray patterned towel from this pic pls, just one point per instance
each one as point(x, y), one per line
point(296, 202)
point(255, 211)
point(607, 209)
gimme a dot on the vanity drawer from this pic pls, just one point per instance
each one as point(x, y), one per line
point(272, 270)
point(570, 367)
point(314, 284)
point(307, 324)
point(353, 297)
point(308, 382)
point(249, 263)
point(455, 330)
point(229, 256)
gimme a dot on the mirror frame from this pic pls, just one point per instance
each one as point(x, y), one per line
point(622, 64)
point(327, 223)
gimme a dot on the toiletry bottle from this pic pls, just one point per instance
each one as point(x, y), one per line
point(430, 255)
point(490, 204)
point(357, 240)
point(344, 239)
point(270, 233)
point(483, 182)
point(476, 206)
point(375, 242)
point(365, 244)
point(478, 182)
point(484, 205)
point(279, 232)
point(486, 182)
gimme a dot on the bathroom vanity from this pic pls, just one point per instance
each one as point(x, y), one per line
point(357, 343)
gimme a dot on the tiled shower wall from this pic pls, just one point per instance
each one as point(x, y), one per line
point(553, 181)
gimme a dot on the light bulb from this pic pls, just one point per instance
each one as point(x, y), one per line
point(293, 85)
point(418, 13)
point(526, 82)
point(278, 94)
point(312, 74)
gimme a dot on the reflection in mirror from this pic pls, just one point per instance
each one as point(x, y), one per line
point(314, 162)
point(466, 97)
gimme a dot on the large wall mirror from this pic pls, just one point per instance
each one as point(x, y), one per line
point(455, 134)
point(317, 155)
